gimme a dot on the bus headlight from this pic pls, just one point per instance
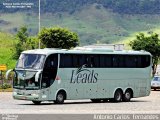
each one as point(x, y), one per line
point(14, 93)
point(35, 95)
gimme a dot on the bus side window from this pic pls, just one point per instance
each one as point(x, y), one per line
point(94, 61)
point(76, 60)
point(130, 61)
point(51, 62)
point(66, 61)
point(121, 61)
point(138, 61)
point(108, 61)
point(145, 60)
point(82, 60)
point(85, 60)
point(62, 60)
point(102, 61)
point(105, 61)
point(115, 61)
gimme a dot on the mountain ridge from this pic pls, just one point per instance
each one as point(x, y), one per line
point(71, 6)
point(95, 21)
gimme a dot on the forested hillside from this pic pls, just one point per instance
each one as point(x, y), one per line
point(71, 6)
point(7, 42)
point(95, 21)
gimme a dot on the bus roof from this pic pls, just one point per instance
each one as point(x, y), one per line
point(78, 50)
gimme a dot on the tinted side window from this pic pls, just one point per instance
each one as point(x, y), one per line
point(145, 60)
point(87, 60)
point(102, 61)
point(109, 61)
point(78, 60)
point(73, 60)
point(66, 60)
point(105, 61)
point(130, 61)
point(115, 61)
point(94, 61)
point(139, 61)
point(121, 62)
point(52, 61)
point(118, 61)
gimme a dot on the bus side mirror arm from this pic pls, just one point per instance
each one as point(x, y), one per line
point(8, 72)
point(37, 75)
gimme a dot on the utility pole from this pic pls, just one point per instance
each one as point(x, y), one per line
point(39, 22)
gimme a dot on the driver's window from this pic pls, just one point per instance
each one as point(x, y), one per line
point(50, 70)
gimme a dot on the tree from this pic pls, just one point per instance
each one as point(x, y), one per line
point(21, 37)
point(148, 43)
point(58, 38)
point(24, 42)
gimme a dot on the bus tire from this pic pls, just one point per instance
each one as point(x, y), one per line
point(118, 96)
point(37, 102)
point(127, 96)
point(96, 100)
point(60, 98)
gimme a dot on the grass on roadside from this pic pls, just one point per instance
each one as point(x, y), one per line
point(6, 90)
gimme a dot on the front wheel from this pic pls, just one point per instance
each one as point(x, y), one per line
point(118, 96)
point(37, 102)
point(60, 98)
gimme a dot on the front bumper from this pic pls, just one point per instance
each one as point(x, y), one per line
point(26, 97)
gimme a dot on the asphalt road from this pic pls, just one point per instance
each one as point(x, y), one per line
point(149, 105)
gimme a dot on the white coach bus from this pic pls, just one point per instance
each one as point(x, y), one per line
point(96, 74)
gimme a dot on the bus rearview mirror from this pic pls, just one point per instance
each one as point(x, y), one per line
point(8, 72)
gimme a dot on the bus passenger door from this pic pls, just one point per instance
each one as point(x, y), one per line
point(49, 75)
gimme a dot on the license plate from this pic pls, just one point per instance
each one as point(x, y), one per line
point(24, 98)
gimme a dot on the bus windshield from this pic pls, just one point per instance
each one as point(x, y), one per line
point(25, 80)
point(30, 61)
